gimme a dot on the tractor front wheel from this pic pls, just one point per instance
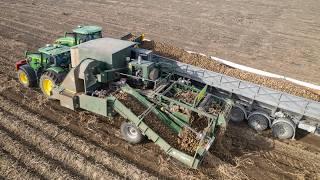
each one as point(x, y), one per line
point(49, 80)
point(131, 133)
point(27, 76)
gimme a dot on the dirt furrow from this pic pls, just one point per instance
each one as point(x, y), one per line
point(90, 151)
point(10, 168)
point(74, 19)
point(28, 157)
point(55, 150)
point(26, 29)
point(241, 141)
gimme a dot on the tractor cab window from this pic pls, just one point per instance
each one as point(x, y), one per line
point(87, 37)
point(83, 38)
point(62, 59)
point(97, 35)
point(45, 58)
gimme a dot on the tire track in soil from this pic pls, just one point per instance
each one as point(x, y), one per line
point(43, 166)
point(11, 168)
point(280, 154)
point(7, 32)
point(90, 151)
point(55, 150)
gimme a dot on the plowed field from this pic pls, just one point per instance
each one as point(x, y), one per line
point(41, 140)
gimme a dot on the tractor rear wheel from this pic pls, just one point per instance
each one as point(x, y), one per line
point(49, 80)
point(131, 133)
point(27, 77)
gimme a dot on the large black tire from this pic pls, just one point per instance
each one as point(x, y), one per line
point(131, 133)
point(50, 77)
point(258, 122)
point(30, 77)
point(283, 129)
point(237, 114)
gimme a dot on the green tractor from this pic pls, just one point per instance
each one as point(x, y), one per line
point(80, 35)
point(46, 68)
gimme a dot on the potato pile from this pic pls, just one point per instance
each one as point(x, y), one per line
point(188, 141)
point(187, 96)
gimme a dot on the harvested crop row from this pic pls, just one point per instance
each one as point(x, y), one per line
point(34, 161)
point(55, 150)
point(90, 151)
point(179, 54)
point(11, 169)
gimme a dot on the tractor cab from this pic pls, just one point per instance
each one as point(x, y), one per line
point(80, 35)
point(49, 56)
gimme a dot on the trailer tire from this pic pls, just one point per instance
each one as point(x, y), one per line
point(238, 114)
point(283, 129)
point(131, 133)
point(258, 121)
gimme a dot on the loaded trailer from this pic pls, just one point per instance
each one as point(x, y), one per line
point(111, 76)
point(262, 107)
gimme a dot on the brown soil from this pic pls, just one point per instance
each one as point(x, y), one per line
point(179, 54)
point(28, 25)
point(11, 168)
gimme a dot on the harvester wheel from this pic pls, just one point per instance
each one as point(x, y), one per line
point(131, 133)
point(50, 79)
point(27, 77)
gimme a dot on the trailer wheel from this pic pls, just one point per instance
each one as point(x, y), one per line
point(238, 114)
point(283, 129)
point(258, 121)
point(131, 133)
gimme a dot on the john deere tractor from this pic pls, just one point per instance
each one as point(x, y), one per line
point(45, 68)
point(80, 35)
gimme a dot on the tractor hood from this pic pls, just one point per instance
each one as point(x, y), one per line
point(66, 41)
